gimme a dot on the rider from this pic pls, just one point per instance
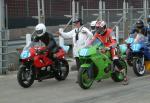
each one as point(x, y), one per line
point(92, 25)
point(107, 36)
point(46, 38)
point(139, 28)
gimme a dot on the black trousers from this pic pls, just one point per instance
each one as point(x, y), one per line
point(77, 63)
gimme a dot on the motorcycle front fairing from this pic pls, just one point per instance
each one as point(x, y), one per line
point(26, 53)
point(137, 44)
point(91, 55)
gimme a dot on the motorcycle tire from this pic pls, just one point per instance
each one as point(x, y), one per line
point(21, 77)
point(62, 70)
point(119, 76)
point(137, 67)
point(84, 79)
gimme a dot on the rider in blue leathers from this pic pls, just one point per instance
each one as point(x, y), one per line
point(139, 28)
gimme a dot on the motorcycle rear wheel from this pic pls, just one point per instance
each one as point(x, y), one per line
point(138, 69)
point(62, 70)
point(25, 76)
point(84, 79)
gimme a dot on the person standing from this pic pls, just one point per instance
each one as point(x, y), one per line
point(80, 35)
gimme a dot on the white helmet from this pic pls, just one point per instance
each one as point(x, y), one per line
point(93, 23)
point(40, 29)
point(101, 27)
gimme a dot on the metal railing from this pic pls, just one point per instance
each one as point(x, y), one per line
point(3, 51)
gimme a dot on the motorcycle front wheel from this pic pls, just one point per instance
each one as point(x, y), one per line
point(62, 70)
point(25, 76)
point(85, 77)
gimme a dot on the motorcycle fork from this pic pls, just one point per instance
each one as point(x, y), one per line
point(142, 59)
point(91, 72)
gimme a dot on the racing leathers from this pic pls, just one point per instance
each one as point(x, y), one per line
point(49, 41)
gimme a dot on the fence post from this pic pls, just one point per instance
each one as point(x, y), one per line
point(104, 6)
point(100, 10)
point(27, 7)
point(73, 10)
point(117, 34)
point(108, 18)
point(124, 17)
point(77, 14)
point(82, 12)
point(131, 15)
point(145, 8)
point(41, 11)
point(3, 42)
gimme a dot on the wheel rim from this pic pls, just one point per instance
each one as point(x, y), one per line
point(62, 69)
point(26, 76)
point(139, 67)
point(86, 80)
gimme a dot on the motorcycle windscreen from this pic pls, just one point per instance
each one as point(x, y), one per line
point(129, 40)
point(25, 54)
point(97, 42)
point(91, 49)
point(136, 47)
point(83, 52)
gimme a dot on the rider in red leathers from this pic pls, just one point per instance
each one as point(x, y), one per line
point(107, 37)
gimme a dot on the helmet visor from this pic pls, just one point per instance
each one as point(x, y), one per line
point(39, 31)
point(100, 30)
point(92, 27)
point(139, 25)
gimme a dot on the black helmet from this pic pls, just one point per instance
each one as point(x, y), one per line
point(139, 24)
point(77, 20)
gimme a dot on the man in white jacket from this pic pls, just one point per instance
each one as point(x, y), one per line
point(81, 37)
